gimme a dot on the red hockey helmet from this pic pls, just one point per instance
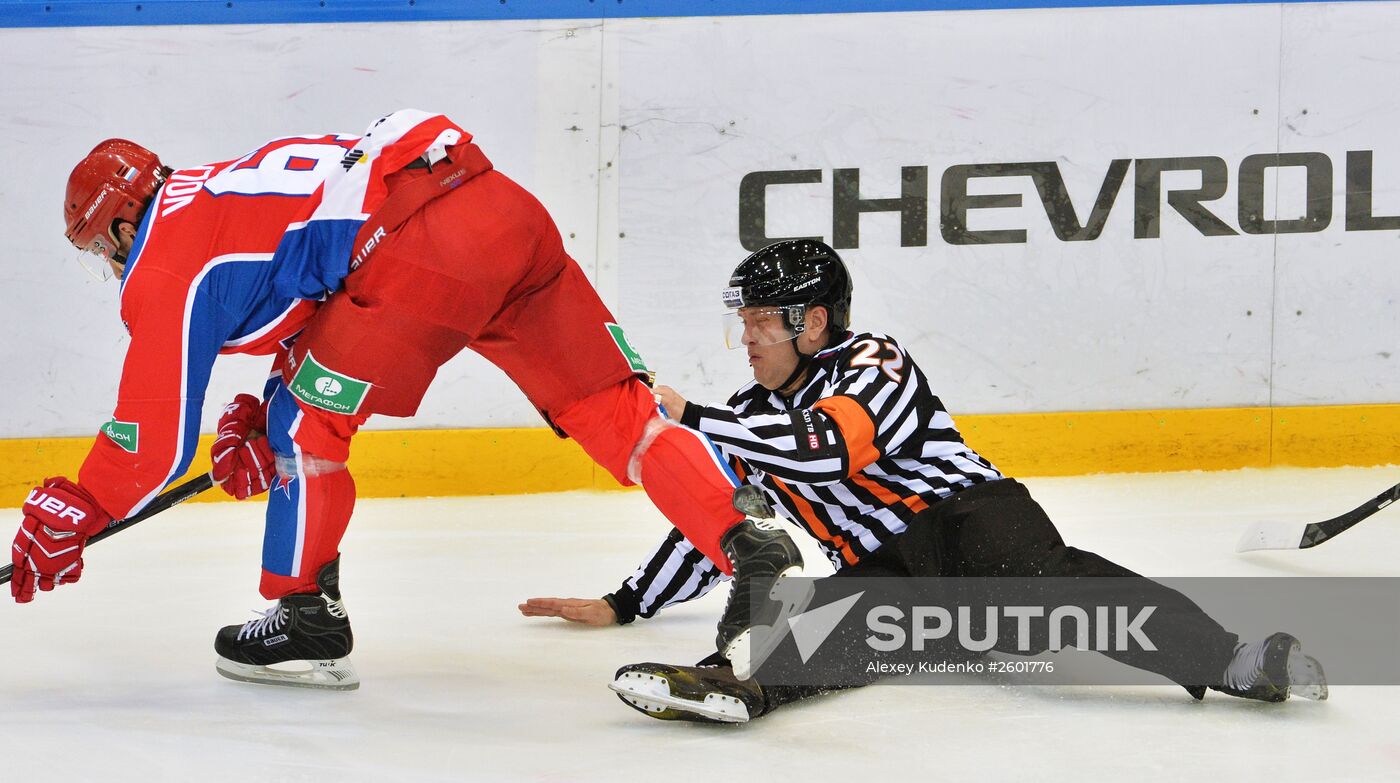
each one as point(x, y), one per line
point(116, 181)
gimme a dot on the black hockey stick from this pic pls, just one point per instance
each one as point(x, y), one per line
point(164, 501)
point(1293, 535)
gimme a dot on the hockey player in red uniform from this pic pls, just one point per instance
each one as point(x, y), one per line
point(361, 264)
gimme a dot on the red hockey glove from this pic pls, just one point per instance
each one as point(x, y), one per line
point(48, 550)
point(242, 456)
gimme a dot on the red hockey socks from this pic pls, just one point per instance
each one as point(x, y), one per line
point(679, 469)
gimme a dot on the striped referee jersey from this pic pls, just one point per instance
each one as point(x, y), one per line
point(851, 457)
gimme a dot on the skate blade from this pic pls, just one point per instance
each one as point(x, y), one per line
point(651, 694)
point(743, 655)
point(1305, 676)
point(332, 675)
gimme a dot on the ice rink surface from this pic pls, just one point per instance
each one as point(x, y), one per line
point(113, 679)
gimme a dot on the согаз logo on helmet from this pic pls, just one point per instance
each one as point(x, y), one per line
point(328, 386)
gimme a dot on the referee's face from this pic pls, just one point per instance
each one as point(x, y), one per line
point(769, 344)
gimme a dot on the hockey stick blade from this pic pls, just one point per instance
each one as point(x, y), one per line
point(1273, 534)
point(164, 501)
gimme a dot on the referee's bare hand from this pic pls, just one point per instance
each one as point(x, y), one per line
point(585, 611)
point(671, 400)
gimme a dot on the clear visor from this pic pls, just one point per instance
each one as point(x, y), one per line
point(96, 262)
point(765, 325)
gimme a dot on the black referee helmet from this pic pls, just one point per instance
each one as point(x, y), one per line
point(794, 272)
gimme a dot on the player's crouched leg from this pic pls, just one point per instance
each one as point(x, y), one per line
point(622, 429)
point(309, 508)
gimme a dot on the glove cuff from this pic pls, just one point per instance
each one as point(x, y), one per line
point(624, 604)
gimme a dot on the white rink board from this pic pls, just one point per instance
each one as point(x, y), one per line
point(637, 133)
point(1181, 321)
point(1347, 284)
point(213, 93)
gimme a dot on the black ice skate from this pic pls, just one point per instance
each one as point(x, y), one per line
point(310, 630)
point(1273, 669)
point(702, 694)
point(762, 598)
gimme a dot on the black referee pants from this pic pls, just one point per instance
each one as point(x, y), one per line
point(997, 530)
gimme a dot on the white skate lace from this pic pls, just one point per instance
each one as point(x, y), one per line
point(269, 621)
point(1246, 666)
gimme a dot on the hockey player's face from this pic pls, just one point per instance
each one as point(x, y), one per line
point(99, 264)
point(105, 263)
